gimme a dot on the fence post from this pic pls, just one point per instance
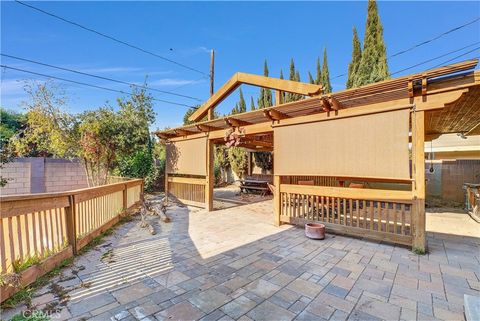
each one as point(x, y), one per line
point(276, 201)
point(418, 190)
point(125, 199)
point(70, 213)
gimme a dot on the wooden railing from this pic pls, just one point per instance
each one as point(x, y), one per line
point(372, 213)
point(188, 190)
point(39, 226)
point(317, 180)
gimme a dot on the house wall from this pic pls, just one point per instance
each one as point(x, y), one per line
point(28, 175)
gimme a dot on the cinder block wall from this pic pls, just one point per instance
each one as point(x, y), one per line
point(63, 175)
point(42, 175)
point(18, 176)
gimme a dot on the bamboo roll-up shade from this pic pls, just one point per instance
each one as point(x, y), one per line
point(187, 157)
point(374, 145)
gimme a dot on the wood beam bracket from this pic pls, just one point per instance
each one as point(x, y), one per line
point(267, 115)
point(410, 87)
point(183, 132)
point(206, 128)
point(326, 104)
point(424, 84)
point(233, 122)
point(336, 105)
point(166, 136)
point(277, 115)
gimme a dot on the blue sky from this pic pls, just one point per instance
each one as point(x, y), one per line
point(243, 35)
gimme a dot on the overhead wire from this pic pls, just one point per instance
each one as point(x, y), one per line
point(99, 77)
point(91, 85)
point(423, 42)
point(111, 38)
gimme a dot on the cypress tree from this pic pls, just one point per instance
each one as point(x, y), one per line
point(356, 57)
point(235, 110)
point(252, 103)
point(318, 80)
point(267, 101)
point(327, 87)
point(373, 64)
point(310, 78)
point(265, 97)
point(284, 94)
point(242, 106)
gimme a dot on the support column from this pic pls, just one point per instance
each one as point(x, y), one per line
point(210, 178)
point(276, 201)
point(165, 201)
point(418, 186)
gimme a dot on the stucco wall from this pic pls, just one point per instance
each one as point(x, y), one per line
point(42, 175)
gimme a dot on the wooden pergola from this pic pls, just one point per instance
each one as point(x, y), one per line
point(373, 134)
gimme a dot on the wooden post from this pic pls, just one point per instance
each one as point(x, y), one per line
point(212, 71)
point(166, 187)
point(70, 214)
point(418, 186)
point(209, 179)
point(125, 199)
point(276, 201)
point(278, 97)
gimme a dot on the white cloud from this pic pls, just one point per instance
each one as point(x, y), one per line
point(173, 82)
point(102, 70)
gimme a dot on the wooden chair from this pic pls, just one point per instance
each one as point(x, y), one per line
point(271, 187)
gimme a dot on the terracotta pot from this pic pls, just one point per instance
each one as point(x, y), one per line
point(315, 231)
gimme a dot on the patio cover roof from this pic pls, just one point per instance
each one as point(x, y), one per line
point(444, 116)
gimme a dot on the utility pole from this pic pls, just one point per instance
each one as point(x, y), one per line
point(212, 70)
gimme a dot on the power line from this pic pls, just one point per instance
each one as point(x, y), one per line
point(424, 42)
point(110, 37)
point(91, 85)
point(459, 56)
point(438, 57)
point(99, 77)
point(434, 38)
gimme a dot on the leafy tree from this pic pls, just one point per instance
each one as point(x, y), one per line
point(49, 129)
point(190, 111)
point(356, 58)
point(99, 132)
point(373, 64)
point(238, 160)
point(264, 160)
point(134, 118)
point(327, 87)
point(12, 123)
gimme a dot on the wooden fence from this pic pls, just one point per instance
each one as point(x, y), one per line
point(373, 213)
point(54, 226)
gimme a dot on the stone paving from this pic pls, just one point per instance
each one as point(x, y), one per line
point(233, 264)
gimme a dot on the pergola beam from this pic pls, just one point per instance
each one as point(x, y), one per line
point(260, 81)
